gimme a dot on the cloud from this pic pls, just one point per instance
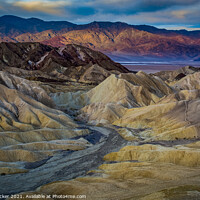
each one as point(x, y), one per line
point(130, 7)
point(180, 14)
point(152, 12)
point(50, 7)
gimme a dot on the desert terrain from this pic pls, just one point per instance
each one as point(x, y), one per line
point(74, 122)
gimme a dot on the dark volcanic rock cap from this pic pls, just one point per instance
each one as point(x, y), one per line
point(63, 63)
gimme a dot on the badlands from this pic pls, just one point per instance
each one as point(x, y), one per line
point(73, 122)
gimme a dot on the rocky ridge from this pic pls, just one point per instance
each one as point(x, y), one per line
point(45, 63)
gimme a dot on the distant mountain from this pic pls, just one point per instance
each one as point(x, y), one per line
point(13, 26)
point(152, 29)
point(112, 38)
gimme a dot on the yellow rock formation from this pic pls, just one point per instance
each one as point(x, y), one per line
point(129, 90)
point(190, 82)
point(167, 121)
point(21, 112)
point(154, 153)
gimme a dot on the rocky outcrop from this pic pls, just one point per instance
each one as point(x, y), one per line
point(129, 90)
point(154, 153)
point(190, 82)
point(22, 55)
point(108, 101)
point(101, 113)
point(48, 64)
point(21, 112)
point(176, 75)
point(97, 72)
point(180, 96)
point(26, 87)
point(168, 121)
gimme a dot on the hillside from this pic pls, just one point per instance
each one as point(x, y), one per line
point(37, 61)
point(130, 41)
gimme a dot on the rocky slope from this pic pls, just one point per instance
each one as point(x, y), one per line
point(45, 63)
point(172, 76)
point(123, 91)
point(29, 88)
point(29, 130)
point(115, 38)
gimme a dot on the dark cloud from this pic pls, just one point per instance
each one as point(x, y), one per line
point(133, 7)
point(153, 12)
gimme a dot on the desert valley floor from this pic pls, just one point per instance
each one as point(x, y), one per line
point(74, 122)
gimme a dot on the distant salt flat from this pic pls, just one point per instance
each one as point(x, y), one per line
point(153, 67)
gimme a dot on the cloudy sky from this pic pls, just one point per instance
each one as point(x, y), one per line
point(171, 14)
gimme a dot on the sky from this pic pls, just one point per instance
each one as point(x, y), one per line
point(170, 14)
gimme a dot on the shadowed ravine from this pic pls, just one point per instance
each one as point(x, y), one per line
point(64, 165)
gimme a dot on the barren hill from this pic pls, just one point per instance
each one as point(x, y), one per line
point(71, 62)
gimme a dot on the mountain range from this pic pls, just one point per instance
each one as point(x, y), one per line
point(112, 38)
